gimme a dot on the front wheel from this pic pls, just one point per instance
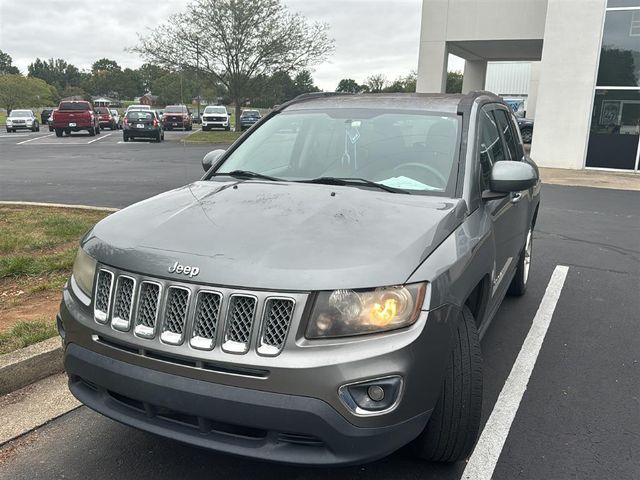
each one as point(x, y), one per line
point(518, 285)
point(527, 135)
point(453, 428)
point(58, 132)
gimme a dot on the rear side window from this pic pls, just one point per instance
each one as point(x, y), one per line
point(510, 139)
point(75, 106)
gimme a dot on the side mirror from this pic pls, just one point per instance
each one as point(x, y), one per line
point(507, 177)
point(211, 158)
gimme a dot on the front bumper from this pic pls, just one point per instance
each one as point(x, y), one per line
point(21, 126)
point(215, 124)
point(292, 413)
point(251, 423)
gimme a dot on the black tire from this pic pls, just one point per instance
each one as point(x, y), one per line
point(190, 127)
point(453, 428)
point(92, 132)
point(8, 130)
point(527, 135)
point(51, 129)
point(227, 128)
point(58, 132)
point(125, 138)
point(157, 139)
point(97, 130)
point(205, 129)
point(68, 132)
point(518, 285)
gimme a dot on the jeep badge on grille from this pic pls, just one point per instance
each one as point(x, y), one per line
point(184, 270)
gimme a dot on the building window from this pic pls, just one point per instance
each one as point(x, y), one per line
point(635, 24)
point(623, 3)
point(615, 129)
point(620, 52)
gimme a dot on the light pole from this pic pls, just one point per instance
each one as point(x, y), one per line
point(198, 75)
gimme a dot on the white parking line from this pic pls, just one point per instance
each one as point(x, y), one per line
point(485, 456)
point(101, 137)
point(33, 139)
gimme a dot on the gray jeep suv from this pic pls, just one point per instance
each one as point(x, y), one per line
point(317, 297)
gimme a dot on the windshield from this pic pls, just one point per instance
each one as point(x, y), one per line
point(413, 151)
point(114, 112)
point(20, 113)
point(174, 109)
point(221, 110)
point(102, 110)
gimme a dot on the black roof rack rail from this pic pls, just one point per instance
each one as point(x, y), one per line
point(467, 100)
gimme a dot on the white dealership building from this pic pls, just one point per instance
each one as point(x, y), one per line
point(584, 80)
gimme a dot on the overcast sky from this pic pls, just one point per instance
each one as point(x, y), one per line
point(371, 36)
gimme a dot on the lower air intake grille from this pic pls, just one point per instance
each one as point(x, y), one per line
point(276, 321)
point(175, 315)
point(239, 322)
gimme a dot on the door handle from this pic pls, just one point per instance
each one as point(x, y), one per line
point(515, 197)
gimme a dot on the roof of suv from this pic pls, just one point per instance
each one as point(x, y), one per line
point(432, 102)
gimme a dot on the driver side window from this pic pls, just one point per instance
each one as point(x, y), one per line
point(490, 146)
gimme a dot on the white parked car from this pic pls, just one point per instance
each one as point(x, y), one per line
point(22, 119)
point(215, 117)
point(138, 107)
point(116, 117)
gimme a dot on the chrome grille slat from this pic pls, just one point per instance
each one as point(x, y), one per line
point(175, 315)
point(240, 316)
point(123, 303)
point(102, 301)
point(148, 306)
point(205, 322)
point(275, 325)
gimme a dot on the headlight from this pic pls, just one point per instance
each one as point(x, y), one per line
point(84, 268)
point(8, 121)
point(350, 312)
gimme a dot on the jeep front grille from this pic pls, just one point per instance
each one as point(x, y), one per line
point(104, 284)
point(182, 317)
point(175, 315)
point(275, 325)
point(205, 321)
point(239, 322)
point(123, 304)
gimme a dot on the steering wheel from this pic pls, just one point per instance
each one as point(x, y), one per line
point(432, 171)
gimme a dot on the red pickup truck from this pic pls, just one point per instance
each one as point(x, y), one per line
point(75, 115)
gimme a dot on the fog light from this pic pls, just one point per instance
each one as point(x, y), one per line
point(372, 397)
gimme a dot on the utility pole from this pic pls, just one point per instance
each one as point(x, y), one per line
point(198, 75)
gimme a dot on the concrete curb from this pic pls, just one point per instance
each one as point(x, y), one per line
point(59, 205)
point(30, 364)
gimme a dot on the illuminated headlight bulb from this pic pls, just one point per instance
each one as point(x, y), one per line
point(383, 314)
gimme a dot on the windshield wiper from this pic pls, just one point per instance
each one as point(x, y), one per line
point(245, 174)
point(355, 181)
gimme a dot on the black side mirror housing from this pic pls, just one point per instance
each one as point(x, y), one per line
point(508, 176)
point(211, 158)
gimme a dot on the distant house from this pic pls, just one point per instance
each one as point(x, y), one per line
point(146, 99)
point(105, 102)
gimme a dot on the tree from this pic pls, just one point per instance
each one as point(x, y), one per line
point(25, 92)
point(617, 67)
point(454, 82)
point(348, 85)
point(56, 72)
point(376, 83)
point(303, 83)
point(239, 43)
point(149, 73)
point(105, 65)
point(174, 88)
point(403, 84)
point(6, 65)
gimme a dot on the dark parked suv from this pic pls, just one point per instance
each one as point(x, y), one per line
point(142, 124)
point(318, 296)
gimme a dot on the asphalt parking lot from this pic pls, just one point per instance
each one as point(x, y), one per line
point(578, 418)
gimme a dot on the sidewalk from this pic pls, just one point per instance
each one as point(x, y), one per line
point(591, 178)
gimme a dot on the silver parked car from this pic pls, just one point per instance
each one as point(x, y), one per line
point(22, 119)
point(318, 296)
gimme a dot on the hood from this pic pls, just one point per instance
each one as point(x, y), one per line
point(277, 235)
